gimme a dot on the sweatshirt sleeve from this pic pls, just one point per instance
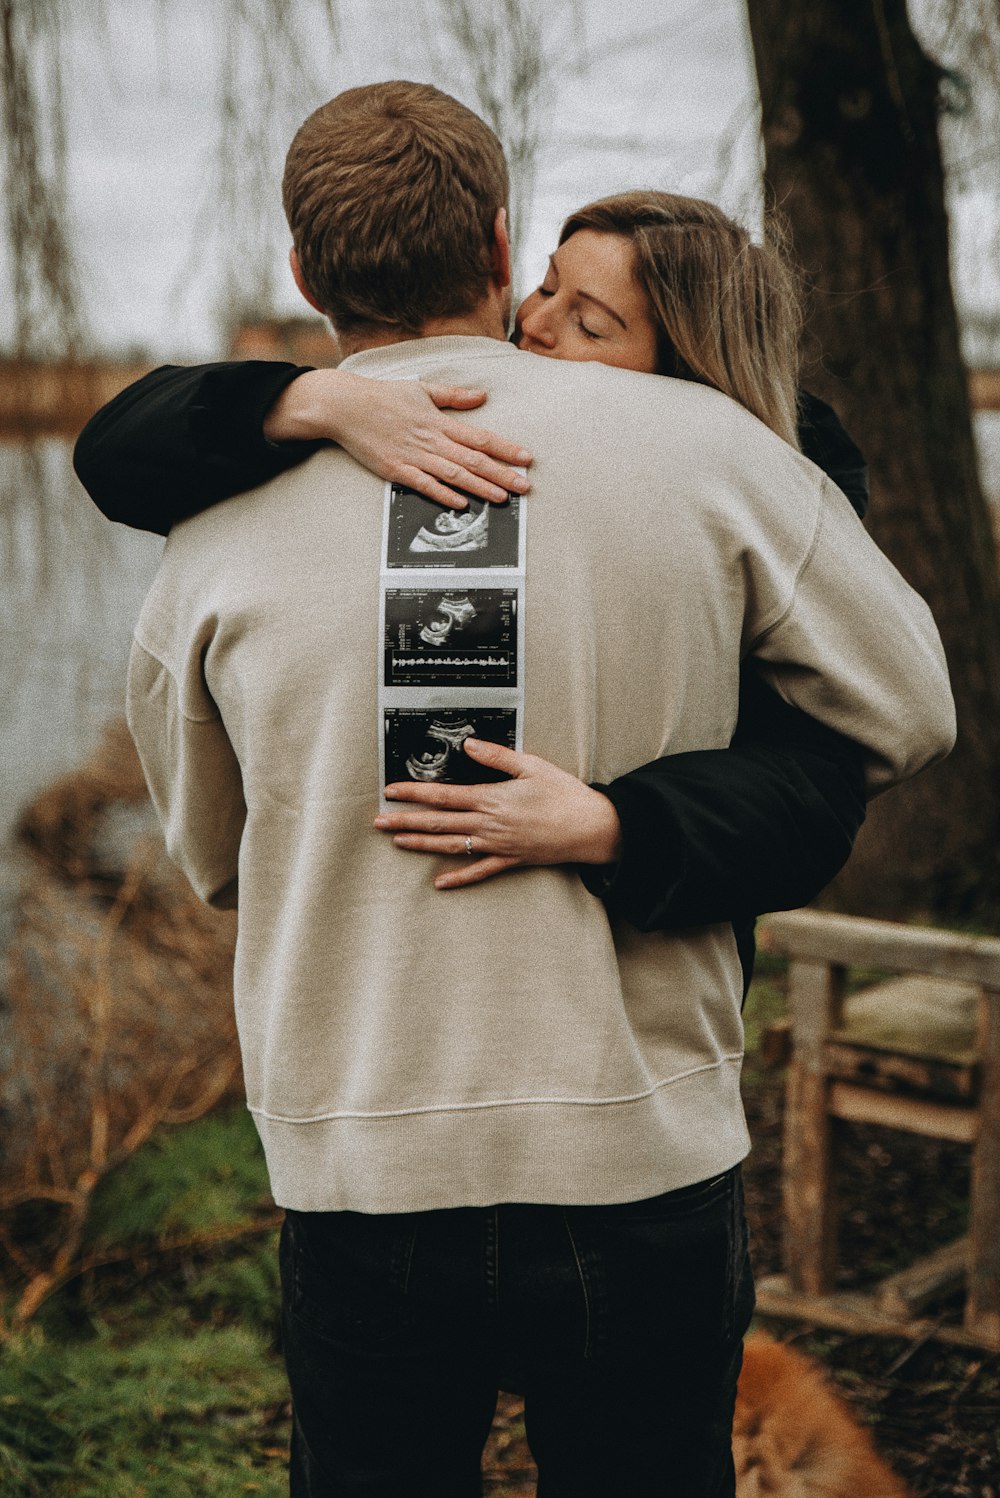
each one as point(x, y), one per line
point(857, 648)
point(192, 772)
point(180, 440)
point(724, 834)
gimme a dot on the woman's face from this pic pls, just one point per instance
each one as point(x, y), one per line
point(590, 306)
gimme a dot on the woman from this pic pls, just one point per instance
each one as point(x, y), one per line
point(649, 282)
point(654, 283)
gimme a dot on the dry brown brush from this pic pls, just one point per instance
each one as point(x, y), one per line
point(119, 1013)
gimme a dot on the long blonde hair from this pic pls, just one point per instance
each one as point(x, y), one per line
point(726, 310)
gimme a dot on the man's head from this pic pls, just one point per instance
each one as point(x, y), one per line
point(395, 195)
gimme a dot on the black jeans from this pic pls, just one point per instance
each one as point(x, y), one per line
point(622, 1326)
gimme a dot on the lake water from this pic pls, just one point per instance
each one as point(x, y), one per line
point(72, 587)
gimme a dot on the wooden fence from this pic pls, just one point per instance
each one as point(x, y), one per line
point(56, 400)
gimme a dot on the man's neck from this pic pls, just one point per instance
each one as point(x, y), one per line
point(486, 321)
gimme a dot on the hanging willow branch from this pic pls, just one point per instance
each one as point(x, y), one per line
point(266, 84)
point(963, 37)
point(502, 60)
point(266, 50)
point(46, 304)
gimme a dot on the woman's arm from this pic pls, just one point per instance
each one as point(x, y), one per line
point(180, 440)
point(686, 840)
point(718, 836)
point(823, 439)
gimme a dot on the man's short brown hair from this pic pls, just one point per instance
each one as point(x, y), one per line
point(391, 192)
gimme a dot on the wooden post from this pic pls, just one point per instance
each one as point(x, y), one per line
point(982, 1308)
point(815, 992)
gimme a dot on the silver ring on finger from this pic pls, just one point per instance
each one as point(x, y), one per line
point(468, 845)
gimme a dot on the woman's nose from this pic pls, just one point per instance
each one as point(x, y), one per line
point(538, 327)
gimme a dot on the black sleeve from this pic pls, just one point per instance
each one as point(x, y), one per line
point(822, 438)
point(727, 834)
point(179, 440)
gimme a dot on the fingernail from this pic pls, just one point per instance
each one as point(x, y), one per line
point(381, 821)
point(390, 794)
point(523, 455)
point(470, 744)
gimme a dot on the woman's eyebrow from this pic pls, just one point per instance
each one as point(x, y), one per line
point(587, 297)
point(604, 308)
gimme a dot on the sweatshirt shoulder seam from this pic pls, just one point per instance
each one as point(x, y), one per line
point(807, 558)
point(215, 717)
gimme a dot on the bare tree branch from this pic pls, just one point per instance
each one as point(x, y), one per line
point(266, 80)
point(47, 312)
point(501, 59)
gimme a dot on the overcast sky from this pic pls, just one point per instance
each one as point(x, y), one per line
point(650, 102)
point(637, 95)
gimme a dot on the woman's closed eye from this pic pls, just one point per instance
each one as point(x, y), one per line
point(581, 326)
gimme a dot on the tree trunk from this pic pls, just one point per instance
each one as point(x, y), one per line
point(849, 115)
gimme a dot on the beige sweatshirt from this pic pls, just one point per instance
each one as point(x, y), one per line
point(409, 1049)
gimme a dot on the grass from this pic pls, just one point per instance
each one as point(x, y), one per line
point(164, 1381)
point(207, 1175)
point(178, 1410)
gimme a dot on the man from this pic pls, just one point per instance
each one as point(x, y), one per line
point(507, 1135)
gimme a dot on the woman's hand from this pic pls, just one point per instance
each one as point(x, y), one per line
point(540, 816)
point(398, 429)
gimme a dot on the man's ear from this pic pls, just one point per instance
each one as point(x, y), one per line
point(500, 251)
point(300, 280)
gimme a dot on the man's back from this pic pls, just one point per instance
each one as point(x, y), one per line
point(408, 1049)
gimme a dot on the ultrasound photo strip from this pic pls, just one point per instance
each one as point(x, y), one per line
point(451, 635)
point(420, 533)
point(426, 745)
point(458, 637)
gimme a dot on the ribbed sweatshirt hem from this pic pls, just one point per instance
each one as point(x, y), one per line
point(571, 1153)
